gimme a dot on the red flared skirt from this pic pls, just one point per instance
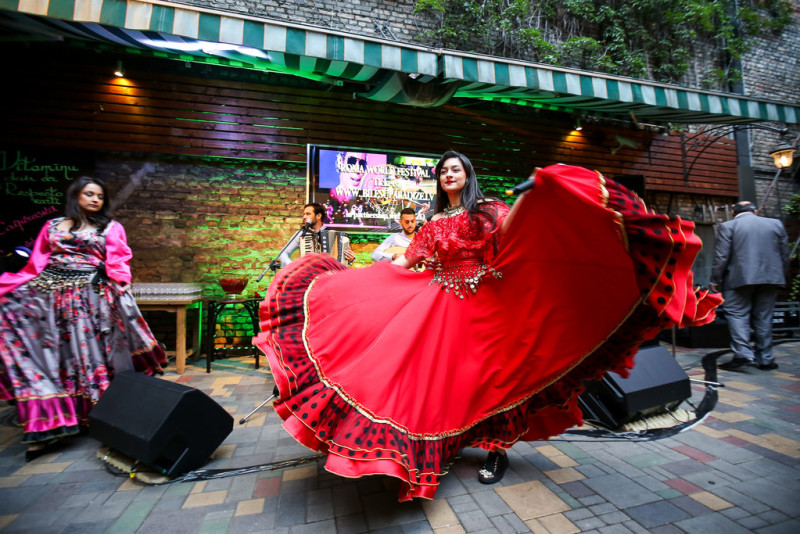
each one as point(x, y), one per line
point(389, 374)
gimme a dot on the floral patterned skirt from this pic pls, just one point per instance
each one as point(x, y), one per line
point(63, 339)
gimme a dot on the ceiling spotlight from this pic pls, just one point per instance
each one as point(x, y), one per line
point(119, 72)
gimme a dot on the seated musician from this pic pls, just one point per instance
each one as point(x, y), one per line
point(313, 225)
point(395, 245)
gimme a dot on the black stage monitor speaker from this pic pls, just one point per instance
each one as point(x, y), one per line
point(656, 383)
point(167, 426)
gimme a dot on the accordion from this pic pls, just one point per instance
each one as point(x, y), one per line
point(329, 241)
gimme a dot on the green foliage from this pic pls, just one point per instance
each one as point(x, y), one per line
point(641, 38)
point(793, 207)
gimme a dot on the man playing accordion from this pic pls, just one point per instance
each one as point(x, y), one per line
point(314, 236)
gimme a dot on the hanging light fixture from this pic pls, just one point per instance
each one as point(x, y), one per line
point(783, 156)
point(119, 72)
point(578, 125)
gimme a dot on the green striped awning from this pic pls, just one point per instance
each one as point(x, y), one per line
point(579, 91)
point(391, 71)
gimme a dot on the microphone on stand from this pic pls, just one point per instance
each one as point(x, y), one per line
point(273, 266)
point(527, 185)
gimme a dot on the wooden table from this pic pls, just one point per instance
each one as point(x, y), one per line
point(179, 306)
point(215, 307)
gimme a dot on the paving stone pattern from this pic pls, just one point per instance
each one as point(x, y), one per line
point(738, 471)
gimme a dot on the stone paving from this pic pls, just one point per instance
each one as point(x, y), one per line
point(739, 471)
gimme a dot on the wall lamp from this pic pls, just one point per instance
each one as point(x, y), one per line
point(783, 156)
point(119, 72)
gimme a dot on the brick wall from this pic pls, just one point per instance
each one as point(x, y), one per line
point(212, 217)
point(197, 219)
point(771, 70)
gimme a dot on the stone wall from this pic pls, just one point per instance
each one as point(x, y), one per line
point(772, 70)
point(210, 214)
point(389, 19)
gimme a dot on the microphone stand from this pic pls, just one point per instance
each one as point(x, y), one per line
point(275, 264)
point(274, 395)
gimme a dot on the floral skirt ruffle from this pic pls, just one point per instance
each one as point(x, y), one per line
point(61, 346)
point(318, 320)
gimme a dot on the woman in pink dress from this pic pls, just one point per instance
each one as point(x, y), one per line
point(392, 372)
point(68, 321)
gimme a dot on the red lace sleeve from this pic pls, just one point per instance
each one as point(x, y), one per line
point(486, 228)
point(501, 211)
point(423, 244)
point(461, 236)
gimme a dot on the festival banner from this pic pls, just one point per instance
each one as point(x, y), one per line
point(365, 190)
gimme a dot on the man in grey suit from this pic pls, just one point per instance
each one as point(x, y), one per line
point(751, 260)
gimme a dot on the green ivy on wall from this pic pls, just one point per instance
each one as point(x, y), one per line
point(654, 39)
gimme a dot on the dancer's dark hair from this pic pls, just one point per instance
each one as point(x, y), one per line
point(471, 192)
point(472, 198)
point(74, 212)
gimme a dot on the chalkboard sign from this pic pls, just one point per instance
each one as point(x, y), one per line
point(33, 185)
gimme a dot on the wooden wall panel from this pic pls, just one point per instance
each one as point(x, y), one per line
point(68, 98)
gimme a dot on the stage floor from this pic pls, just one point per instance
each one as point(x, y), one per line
point(739, 471)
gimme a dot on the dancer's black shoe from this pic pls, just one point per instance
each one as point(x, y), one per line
point(494, 468)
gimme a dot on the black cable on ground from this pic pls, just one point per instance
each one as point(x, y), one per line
point(208, 474)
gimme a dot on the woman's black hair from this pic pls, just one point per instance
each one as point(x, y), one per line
point(74, 212)
point(471, 192)
point(472, 198)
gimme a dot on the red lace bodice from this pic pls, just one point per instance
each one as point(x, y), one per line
point(463, 236)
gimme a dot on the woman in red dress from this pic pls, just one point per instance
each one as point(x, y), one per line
point(392, 372)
